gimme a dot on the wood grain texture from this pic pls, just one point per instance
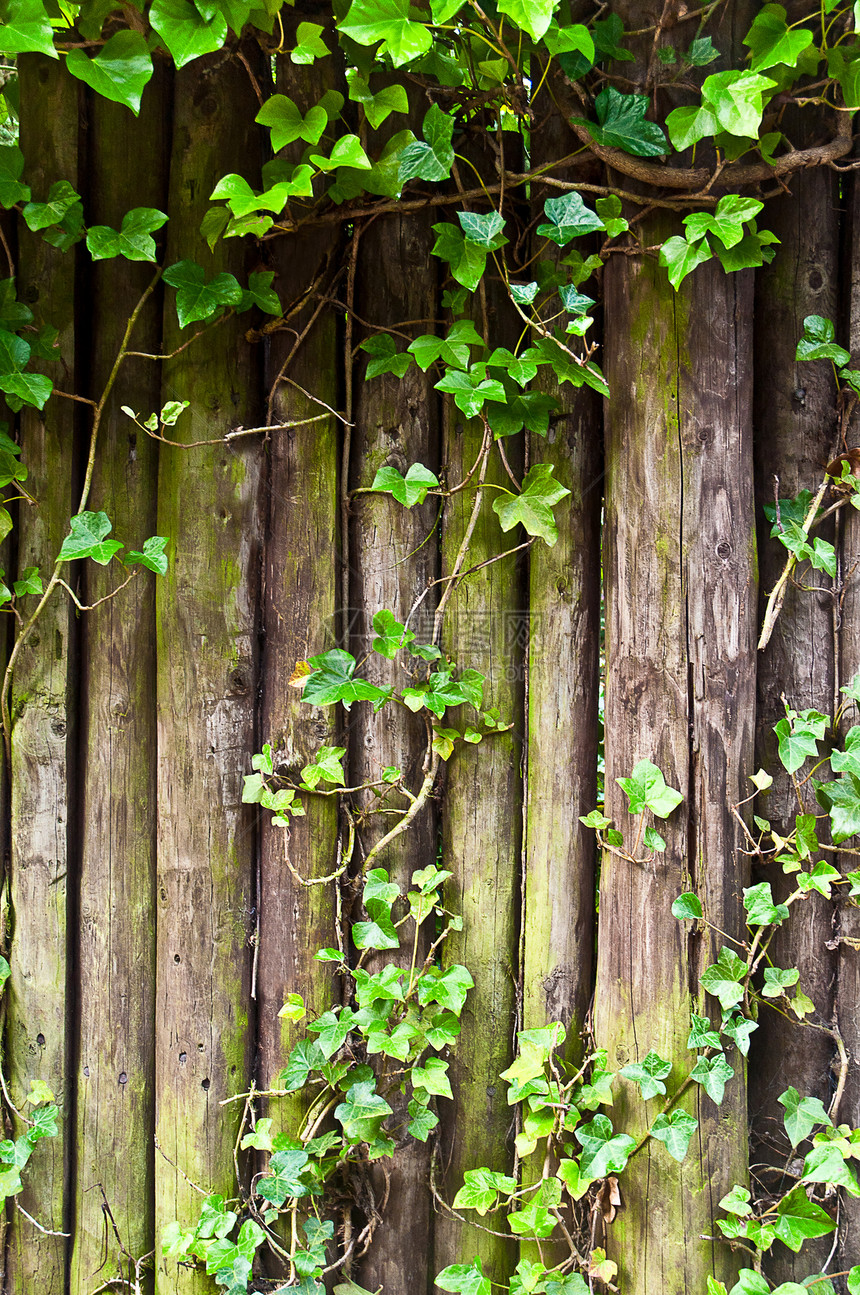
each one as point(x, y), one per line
point(679, 570)
point(209, 503)
point(795, 434)
point(115, 1060)
point(396, 425)
point(40, 1001)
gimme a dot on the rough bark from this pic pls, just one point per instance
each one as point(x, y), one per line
point(40, 990)
point(679, 570)
point(209, 504)
point(115, 1061)
point(795, 431)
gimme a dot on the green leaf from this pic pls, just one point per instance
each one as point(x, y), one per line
point(649, 1074)
point(603, 1150)
point(287, 124)
point(623, 124)
point(826, 1164)
point(771, 42)
point(713, 1073)
point(738, 1028)
point(760, 908)
point(432, 1077)
point(817, 342)
point(674, 1131)
point(534, 506)
point(361, 1112)
point(531, 16)
point(482, 229)
point(537, 1218)
point(152, 556)
point(842, 801)
point(798, 1218)
point(701, 1034)
point(568, 218)
point(467, 260)
point(736, 100)
point(119, 71)
point(11, 166)
point(468, 1279)
point(447, 988)
point(195, 298)
point(326, 766)
point(378, 932)
point(391, 636)
point(609, 211)
point(310, 45)
point(25, 29)
point(686, 126)
point(409, 490)
point(377, 107)
point(481, 1188)
point(347, 151)
point(737, 1201)
point(727, 220)
point(724, 979)
point(133, 241)
point(680, 258)
point(86, 539)
point(646, 788)
point(61, 199)
point(385, 358)
point(797, 741)
point(185, 32)
point(801, 1115)
point(331, 680)
point(369, 21)
point(432, 158)
point(702, 51)
point(687, 906)
point(777, 980)
point(285, 1177)
point(29, 583)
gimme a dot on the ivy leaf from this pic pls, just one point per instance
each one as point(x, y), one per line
point(738, 1028)
point(532, 16)
point(29, 583)
point(646, 788)
point(801, 1115)
point(817, 341)
point(377, 107)
point(623, 124)
point(760, 908)
point(842, 801)
point(609, 211)
point(119, 71)
point(467, 260)
point(674, 1131)
point(11, 166)
point(687, 906)
point(727, 220)
point(603, 1150)
point(260, 293)
point(468, 1279)
point(798, 739)
point(713, 1073)
point(432, 158)
point(736, 100)
point(284, 1177)
point(481, 1188)
point(195, 298)
point(384, 358)
point(369, 21)
point(379, 931)
point(309, 44)
point(86, 539)
point(724, 979)
point(533, 506)
point(185, 32)
point(848, 760)
point(422, 1121)
point(432, 1077)
point(649, 1074)
point(777, 980)
point(133, 241)
point(568, 218)
point(152, 556)
point(686, 126)
point(771, 42)
point(361, 1112)
point(61, 199)
point(347, 151)
point(25, 29)
point(390, 635)
point(680, 258)
point(447, 988)
point(409, 490)
point(826, 1164)
point(332, 680)
point(482, 229)
point(287, 124)
point(701, 1034)
point(326, 766)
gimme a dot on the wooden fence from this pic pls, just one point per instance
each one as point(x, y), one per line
point(152, 925)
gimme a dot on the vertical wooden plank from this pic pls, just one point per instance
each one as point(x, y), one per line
point(846, 919)
point(679, 570)
point(206, 619)
point(564, 642)
point(302, 572)
point(397, 425)
point(40, 992)
point(482, 833)
point(113, 1149)
point(795, 434)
